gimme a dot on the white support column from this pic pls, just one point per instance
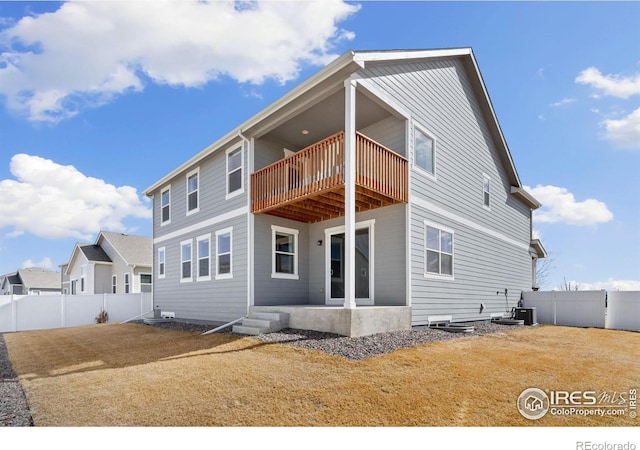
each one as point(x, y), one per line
point(350, 194)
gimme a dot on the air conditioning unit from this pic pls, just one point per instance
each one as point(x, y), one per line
point(528, 315)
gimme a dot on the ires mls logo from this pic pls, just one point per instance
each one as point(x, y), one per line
point(533, 403)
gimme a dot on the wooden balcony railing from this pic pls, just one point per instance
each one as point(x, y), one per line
point(309, 185)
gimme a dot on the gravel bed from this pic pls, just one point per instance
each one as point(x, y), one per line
point(14, 410)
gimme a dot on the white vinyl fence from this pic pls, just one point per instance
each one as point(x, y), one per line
point(597, 309)
point(35, 312)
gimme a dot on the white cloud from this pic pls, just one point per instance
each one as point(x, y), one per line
point(564, 101)
point(86, 53)
point(54, 201)
point(625, 132)
point(560, 206)
point(611, 285)
point(613, 85)
point(44, 263)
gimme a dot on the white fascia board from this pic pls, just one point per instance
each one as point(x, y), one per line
point(239, 132)
point(400, 55)
point(526, 198)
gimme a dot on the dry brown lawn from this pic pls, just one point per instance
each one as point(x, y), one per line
point(137, 375)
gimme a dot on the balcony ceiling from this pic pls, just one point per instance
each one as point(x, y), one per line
point(326, 118)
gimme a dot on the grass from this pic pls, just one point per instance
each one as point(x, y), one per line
point(137, 375)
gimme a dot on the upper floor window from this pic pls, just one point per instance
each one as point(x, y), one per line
point(162, 254)
point(223, 254)
point(486, 191)
point(165, 205)
point(234, 172)
point(438, 251)
point(193, 191)
point(285, 252)
point(127, 287)
point(204, 257)
point(424, 151)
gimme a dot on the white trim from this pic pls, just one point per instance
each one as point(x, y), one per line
point(487, 178)
point(206, 237)
point(250, 229)
point(328, 232)
point(414, 165)
point(224, 276)
point(426, 205)
point(168, 221)
point(241, 168)
point(205, 223)
point(195, 172)
point(292, 231)
point(164, 257)
point(114, 284)
point(182, 260)
point(439, 227)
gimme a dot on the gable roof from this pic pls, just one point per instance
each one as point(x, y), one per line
point(11, 278)
point(341, 69)
point(134, 250)
point(37, 278)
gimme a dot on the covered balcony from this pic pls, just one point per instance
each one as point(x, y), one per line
point(308, 186)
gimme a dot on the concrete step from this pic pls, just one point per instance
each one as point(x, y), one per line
point(262, 323)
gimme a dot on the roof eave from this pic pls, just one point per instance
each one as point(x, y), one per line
point(536, 245)
point(526, 198)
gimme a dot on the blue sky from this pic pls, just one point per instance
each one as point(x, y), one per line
point(98, 100)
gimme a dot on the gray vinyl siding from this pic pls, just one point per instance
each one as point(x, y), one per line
point(483, 265)
point(389, 132)
point(215, 300)
point(389, 255)
point(212, 201)
point(268, 151)
point(442, 102)
point(279, 291)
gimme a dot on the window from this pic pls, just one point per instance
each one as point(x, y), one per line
point(223, 254)
point(204, 258)
point(486, 191)
point(83, 278)
point(165, 205)
point(193, 192)
point(146, 282)
point(285, 252)
point(161, 262)
point(74, 287)
point(438, 251)
point(126, 283)
point(114, 284)
point(234, 172)
point(185, 258)
point(424, 151)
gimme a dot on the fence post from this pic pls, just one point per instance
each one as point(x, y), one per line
point(14, 313)
point(63, 322)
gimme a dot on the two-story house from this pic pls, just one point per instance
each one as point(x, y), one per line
point(376, 195)
point(116, 263)
point(30, 281)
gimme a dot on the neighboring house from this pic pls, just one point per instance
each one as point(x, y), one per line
point(384, 181)
point(31, 281)
point(116, 263)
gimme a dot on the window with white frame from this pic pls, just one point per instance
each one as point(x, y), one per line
point(165, 205)
point(114, 284)
point(127, 283)
point(162, 254)
point(193, 191)
point(83, 278)
point(204, 257)
point(424, 149)
point(438, 251)
point(186, 254)
point(146, 282)
point(234, 172)
point(74, 287)
point(486, 191)
point(224, 258)
point(284, 243)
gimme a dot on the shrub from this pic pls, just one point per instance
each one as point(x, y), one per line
point(102, 317)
